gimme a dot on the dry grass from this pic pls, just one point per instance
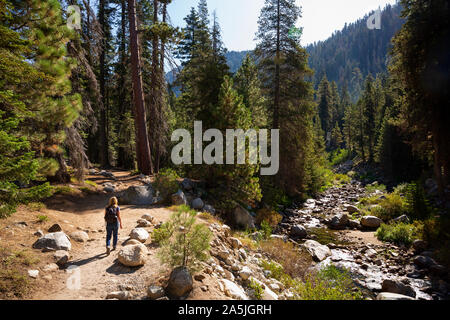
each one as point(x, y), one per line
point(294, 261)
point(14, 282)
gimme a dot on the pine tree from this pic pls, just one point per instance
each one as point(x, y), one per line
point(325, 106)
point(202, 74)
point(248, 86)
point(283, 69)
point(232, 184)
point(18, 165)
point(370, 108)
point(421, 65)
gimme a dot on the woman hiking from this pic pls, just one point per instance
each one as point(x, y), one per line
point(113, 222)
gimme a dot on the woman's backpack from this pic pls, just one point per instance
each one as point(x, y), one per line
point(111, 214)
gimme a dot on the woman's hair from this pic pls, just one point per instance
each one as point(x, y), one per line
point(113, 202)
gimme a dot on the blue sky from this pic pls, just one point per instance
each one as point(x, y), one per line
point(239, 18)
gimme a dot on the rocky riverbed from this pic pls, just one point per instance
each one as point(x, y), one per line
point(325, 225)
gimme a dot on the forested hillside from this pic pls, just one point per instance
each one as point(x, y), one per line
point(356, 128)
point(349, 55)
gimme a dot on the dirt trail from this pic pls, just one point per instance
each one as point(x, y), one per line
point(97, 272)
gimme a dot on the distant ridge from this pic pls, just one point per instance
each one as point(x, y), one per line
point(353, 47)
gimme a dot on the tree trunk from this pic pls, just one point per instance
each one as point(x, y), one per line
point(142, 143)
point(156, 92)
point(276, 107)
point(121, 157)
point(104, 158)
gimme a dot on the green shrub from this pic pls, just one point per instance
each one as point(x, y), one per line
point(257, 289)
point(398, 233)
point(391, 207)
point(373, 187)
point(277, 272)
point(272, 217)
point(183, 243)
point(294, 261)
point(166, 183)
point(339, 156)
point(322, 178)
point(64, 190)
point(330, 283)
point(36, 206)
point(42, 218)
point(266, 230)
point(342, 178)
point(91, 183)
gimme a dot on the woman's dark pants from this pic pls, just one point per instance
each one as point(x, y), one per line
point(112, 229)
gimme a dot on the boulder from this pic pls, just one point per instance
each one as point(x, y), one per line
point(79, 236)
point(351, 209)
point(268, 294)
point(197, 204)
point(245, 273)
point(131, 242)
point(50, 267)
point(235, 243)
point(137, 195)
point(53, 241)
point(107, 174)
point(109, 188)
point(298, 231)
point(187, 184)
point(179, 198)
point(424, 261)
point(316, 250)
point(392, 296)
point(233, 290)
point(148, 217)
point(354, 224)
point(33, 273)
point(139, 234)
point(393, 286)
point(208, 208)
point(371, 222)
point(61, 257)
point(242, 218)
point(339, 221)
point(180, 283)
point(142, 223)
point(55, 228)
point(155, 292)
point(404, 218)
point(133, 255)
point(119, 295)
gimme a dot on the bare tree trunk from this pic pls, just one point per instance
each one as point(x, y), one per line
point(104, 158)
point(142, 142)
point(276, 107)
point(121, 161)
point(156, 92)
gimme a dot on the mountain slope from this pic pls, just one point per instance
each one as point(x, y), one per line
point(355, 46)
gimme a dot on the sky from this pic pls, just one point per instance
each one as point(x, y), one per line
point(239, 18)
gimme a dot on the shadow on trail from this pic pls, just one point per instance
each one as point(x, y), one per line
point(117, 268)
point(83, 262)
